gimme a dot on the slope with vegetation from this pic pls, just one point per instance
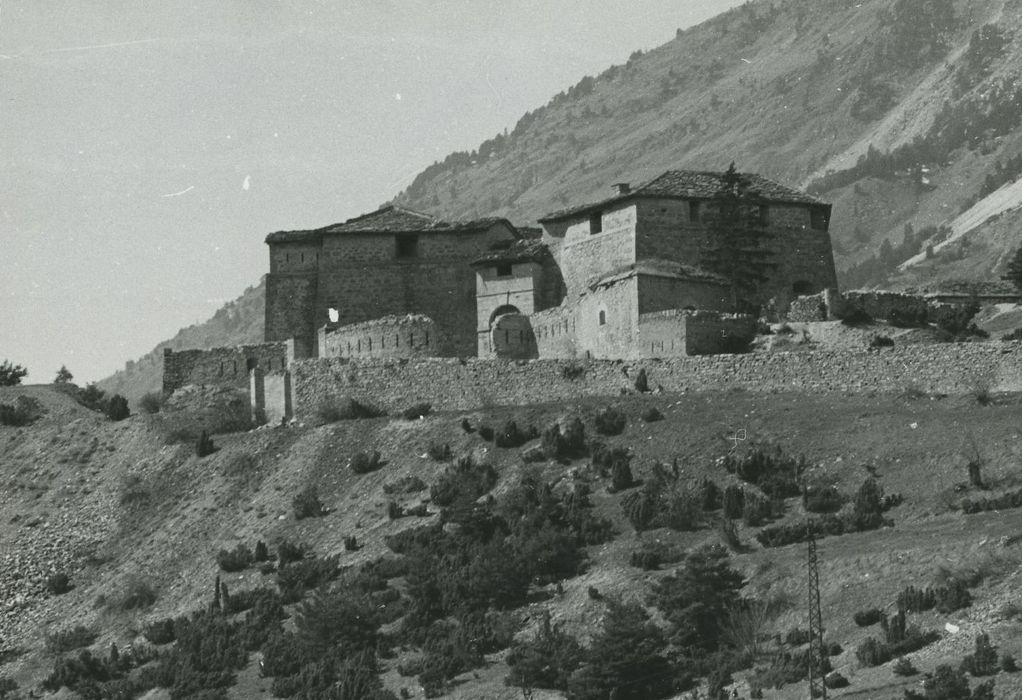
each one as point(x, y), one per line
point(567, 549)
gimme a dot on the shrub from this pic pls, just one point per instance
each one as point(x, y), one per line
point(237, 559)
point(663, 503)
point(797, 637)
point(1008, 664)
point(621, 476)
point(117, 408)
point(904, 667)
point(351, 544)
point(776, 474)
point(417, 411)
point(558, 444)
point(363, 463)
point(307, 504)
point(58, 583)
point(333, 410)
point(1002, 502)
point(24, 411)
point(881, 341)
point(610, 421)
point(983, 662)
point(298, 576)
point(573, 371)
point(137, 593)
point(865, 618)
point(160, 631)
point(68, 639)
point(822, 499)
point(510, 436)
point(10, 374)
point(756, 508)
point(394, 510)
point(652, 415)
point(728, 530)
point(733, 501)
point(464, 482)
point(204, 446)
point(288, 552)
point(151, 402)
point(545, 661)
point(439, 452)
point(486, 432)
point(1014, 335)
point(641, 382)
point(261, 553)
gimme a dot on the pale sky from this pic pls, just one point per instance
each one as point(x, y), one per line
point(147, 148)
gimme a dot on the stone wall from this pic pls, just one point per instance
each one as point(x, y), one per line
point(276, 393)
point(390, 336)
point(221, 366)
point(889, 305)
point(554, 332)
point(451, 384)
point(677, 333)
point(584, 256)
point(807, 309)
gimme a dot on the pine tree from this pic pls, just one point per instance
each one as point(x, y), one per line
point(64, 375)
point(10, 374)
point(736, 247)
point(1014, 272)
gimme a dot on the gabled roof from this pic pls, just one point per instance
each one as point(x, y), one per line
point(389, 220)
point(693, 184)
point(528, 250)
point(658, 267)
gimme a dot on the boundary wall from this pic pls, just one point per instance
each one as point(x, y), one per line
point(388, 337)
point(456, 384)
point(223, 366)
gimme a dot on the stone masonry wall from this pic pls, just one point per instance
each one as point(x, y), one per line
point(679, 333)
point(452, 384)
point(221, 366)
point(584, 256)
point(554, 331)
point(391, 336)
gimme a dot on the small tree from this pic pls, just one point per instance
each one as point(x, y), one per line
point(1013, 273)
point(205, 445)
point(64, 375)
point(10, 375)
point(117, 408)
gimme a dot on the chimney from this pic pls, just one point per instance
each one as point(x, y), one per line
point(622, 187)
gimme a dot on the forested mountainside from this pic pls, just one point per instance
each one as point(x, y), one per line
point(906, 114)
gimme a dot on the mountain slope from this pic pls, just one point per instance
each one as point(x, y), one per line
point(903, 113)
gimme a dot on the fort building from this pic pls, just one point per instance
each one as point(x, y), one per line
point(645, 273)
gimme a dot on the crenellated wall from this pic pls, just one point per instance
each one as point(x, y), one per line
point(387, 337)
point(452, 384)
point(222, 366)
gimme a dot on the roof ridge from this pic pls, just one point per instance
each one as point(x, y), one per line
point(383, 210)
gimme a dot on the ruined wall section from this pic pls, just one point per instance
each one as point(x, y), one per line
point(682, 333)
point(221, 366)
point(387, 337)
point(451, 384)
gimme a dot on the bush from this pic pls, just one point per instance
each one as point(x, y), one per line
point(641, 382)
point(298, 576)
point(756, 509)
point(237, 559)
point(733, 501)
point(1002, 502)
point(822, 499)
point(573, 371)
point(261, 553)
point(983, 662)
point(333, 410)
point(137, 593)
point(1014, 335)
point(904, 667)
point(307, 504)
point(510, 436)
point(24, 411)
point(363, 463)
point(464, 482)
point(439, 452)
point(288, 552)
point(728, 530)
point(58, 583)
point(776, 474)
point(204, 446)
point(881, 341)
point(417, 411)
point(486, 432)
point(117, 408)
point(160, 631)
point(652, 414)
point(68, 639)
point(151, 402)
point(610, 421)
point(865, 618)
point(1008, 664)
point(394, 511)
point(558, 444)
point(10, 374)
point(545, 661)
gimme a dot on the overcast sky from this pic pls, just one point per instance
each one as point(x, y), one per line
point(147, 148)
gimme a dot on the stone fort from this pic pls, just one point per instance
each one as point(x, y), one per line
point(643, 273)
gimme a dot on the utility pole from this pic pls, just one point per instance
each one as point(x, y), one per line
point(817, 688)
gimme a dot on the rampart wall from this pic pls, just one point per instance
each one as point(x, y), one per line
point(221, 366)
point(452, 384)
point(388, 337)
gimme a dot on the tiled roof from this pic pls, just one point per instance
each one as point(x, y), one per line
point(693, 184)
point(657, 267)
point(390, 219)
point(528, 250)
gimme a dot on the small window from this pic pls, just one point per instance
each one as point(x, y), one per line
point(693, 212)
point(818, 218)
point(504, 270)
point(407, 246)
point(603, 318)
point(596, 223)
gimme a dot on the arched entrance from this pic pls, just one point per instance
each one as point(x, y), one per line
point(511, 337)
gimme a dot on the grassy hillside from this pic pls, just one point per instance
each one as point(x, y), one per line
point(127, 510)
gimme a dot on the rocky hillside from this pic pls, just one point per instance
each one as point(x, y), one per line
point(137, 523)
point(906, 114)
